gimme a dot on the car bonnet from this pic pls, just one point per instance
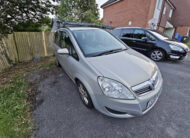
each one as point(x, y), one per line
point(128, 67)
point(178, 44)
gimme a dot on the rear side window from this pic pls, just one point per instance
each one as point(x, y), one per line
point(128, 33)
point(139, 34)
point(116, 32)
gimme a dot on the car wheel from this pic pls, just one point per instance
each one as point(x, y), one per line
point(84, 95)
point(157, 55)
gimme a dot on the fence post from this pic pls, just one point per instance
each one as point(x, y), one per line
point(44, 43)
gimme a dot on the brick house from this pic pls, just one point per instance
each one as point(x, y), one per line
point(167, 16)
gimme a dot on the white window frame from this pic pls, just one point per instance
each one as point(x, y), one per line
point(171, 13)
point(159, 4)
point(164, 11)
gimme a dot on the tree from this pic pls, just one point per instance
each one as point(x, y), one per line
point(79, 10)
point(14, 12)
point(43, 24)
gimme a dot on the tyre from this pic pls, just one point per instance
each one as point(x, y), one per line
point(157, 55)
point(84, 95)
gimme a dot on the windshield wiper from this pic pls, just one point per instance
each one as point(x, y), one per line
point(110, 52)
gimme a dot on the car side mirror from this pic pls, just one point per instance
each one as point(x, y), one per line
point(145, 39)
point(63, 51)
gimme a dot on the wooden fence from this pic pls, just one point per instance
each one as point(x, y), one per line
point(24, 46)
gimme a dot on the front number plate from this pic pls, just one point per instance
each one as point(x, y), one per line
point(151, 102)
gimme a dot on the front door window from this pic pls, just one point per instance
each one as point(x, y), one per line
point(139, 34)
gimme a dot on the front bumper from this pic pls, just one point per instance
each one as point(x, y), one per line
point(129, 108)
point(177, 55)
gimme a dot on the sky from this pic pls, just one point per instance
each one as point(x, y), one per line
point(100, 2)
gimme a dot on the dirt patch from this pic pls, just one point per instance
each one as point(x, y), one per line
point(33, 72)
point(13, 72)
point(24, 78)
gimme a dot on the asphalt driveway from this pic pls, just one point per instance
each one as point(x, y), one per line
point(61, 113)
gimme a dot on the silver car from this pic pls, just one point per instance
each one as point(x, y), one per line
point(111, 77)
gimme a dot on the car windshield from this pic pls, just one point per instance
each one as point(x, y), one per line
point(159, 35)
point(97, 42)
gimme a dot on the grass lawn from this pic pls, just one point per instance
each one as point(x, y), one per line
point(15, 119)
point(15, 113)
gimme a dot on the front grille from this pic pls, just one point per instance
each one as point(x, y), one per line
point(143, 90)
point(146, 86)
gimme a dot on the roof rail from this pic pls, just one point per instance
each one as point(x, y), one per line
point(63, 23)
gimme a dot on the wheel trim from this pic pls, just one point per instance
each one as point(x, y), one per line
point(85, 100)
point(83, 94)
point(156, 55)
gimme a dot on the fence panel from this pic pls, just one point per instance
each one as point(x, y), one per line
point(35, 41)
point(31, 44)
point(11, 47)
point(4, 62)
point(49, 36)
point(24, 46)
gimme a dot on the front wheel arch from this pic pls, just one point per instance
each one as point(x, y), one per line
point(79, 77)
point(91, 104)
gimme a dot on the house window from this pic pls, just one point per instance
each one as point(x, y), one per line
point(164, 11)
point(171, 12)
point(130, 23)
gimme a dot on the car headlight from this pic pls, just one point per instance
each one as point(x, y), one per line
point(176, 48)
point(114, 89)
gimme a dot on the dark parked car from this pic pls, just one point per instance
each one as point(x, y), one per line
point(151, 43)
